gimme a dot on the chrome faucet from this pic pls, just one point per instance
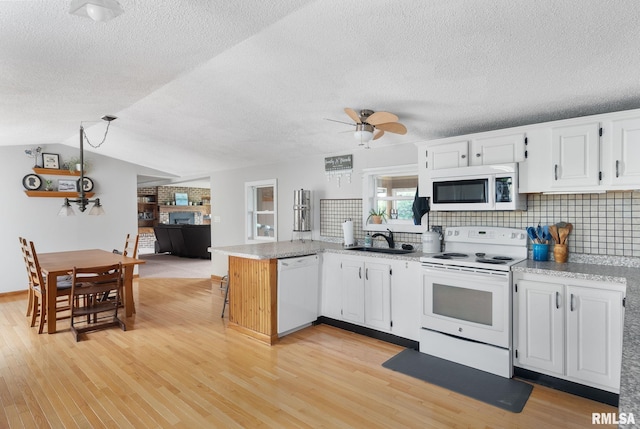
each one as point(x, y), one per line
point(389, 238)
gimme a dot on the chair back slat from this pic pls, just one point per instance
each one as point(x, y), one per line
point(131, 246)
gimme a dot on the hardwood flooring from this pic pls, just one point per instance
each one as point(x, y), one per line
point(178, 366)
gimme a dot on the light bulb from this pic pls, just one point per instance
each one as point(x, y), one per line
point(98, 13)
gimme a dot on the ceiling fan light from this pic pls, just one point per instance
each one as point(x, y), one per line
point(363, 136)
point(97, 10)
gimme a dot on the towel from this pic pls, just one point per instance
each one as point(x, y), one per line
point(420, 208)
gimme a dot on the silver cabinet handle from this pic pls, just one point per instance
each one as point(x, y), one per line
point(555, 171)
point(360, 272)
point(557, 299)
point(366, 273)
point(617, 168)
point(463, 156)
point(571, 302)
point(478, 155)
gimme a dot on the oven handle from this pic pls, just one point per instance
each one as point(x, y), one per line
point(464, 275)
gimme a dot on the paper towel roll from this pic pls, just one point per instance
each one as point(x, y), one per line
point(347, 230)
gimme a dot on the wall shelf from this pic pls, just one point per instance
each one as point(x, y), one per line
point(55, 171)
point(56, 194)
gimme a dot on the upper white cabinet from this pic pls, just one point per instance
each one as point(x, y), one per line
point(575, 156)
point(449, 155)
point(624, 159)
point(500, 149)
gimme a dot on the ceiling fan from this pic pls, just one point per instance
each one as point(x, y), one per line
point(372, 125)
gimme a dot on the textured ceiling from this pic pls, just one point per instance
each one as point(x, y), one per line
point(200, 86)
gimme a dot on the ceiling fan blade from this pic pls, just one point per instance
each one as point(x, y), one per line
point(381, 118)
point(341, 122)
point(353, 115)
point(378, 134)
point(393, 127)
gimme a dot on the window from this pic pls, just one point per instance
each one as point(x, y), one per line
point(262, 219)
point(391, 190)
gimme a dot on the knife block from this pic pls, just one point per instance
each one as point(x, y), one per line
point(560, 253)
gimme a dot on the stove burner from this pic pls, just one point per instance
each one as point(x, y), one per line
point(450, 255)
point(492, 261)
point(503, 258)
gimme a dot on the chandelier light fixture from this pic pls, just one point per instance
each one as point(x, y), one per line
point(82, 200)
point(98, 10)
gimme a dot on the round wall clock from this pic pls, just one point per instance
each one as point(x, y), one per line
point(31, 182)
point(87, 184)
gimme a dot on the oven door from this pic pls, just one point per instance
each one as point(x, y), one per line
point(468, 304)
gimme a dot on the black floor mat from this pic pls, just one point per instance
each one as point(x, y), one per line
point(508, 394)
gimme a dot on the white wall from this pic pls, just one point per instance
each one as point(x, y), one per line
point(36, 219)
point(227, 192)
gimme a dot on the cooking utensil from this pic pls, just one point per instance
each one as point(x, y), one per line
point(546, 236)
point(553, 231)
point(531, 231)
point(539, 233)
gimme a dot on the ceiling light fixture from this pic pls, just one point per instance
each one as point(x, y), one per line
point(98, 10)
point(82, 200)
point(364, 134)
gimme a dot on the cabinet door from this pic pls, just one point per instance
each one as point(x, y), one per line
point(540, 330)
point(449, 155)
point(575, 155)
point(625, 152)
point(352, 280)
point(377, 296)
point(406, 299)
point(497, 150)
point(594, 336)
point(331, 288)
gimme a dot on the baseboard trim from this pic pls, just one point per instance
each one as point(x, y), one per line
point(383, 336)
point(577, 389)
point(15, 292)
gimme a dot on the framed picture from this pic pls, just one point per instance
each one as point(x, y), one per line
point(51, 160)
point(67, 185)
point(181, 199)
point(31, 182)
point(87, 185)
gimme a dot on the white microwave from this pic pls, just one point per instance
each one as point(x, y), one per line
point(483, 187)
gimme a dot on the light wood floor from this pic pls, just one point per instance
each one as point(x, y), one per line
point(179, 366)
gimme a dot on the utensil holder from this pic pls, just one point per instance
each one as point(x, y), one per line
point(540, 252)
point(560, 253)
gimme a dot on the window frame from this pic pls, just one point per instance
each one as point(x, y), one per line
point(251, 229)
point(370, 199)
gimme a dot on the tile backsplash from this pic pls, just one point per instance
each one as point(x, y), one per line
point(603, 224)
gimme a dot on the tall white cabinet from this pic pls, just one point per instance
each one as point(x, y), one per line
point(569, 328)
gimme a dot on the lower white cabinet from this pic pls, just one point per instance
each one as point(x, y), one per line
point(569, 328)
point(379, 293)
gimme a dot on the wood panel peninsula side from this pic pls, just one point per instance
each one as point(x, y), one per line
point(252, 297)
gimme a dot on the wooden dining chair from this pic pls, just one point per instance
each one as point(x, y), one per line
point(131, 246)
point(89, 310)
point(24, 249)
point(39, 289)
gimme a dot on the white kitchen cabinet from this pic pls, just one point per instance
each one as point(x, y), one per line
point(377, 296)
point(500, 149)
point(449, 155)
point(569, 328)
point(352, 281)
point(575, 156)
point(405, 299)
point(540, 328)
point(331, 286)
point(623, 161)
point(594, 335)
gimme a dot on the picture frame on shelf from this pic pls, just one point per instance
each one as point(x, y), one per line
point(67, 185)
point(51, 160)
point(31, 182)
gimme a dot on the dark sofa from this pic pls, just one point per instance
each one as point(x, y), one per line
point(190, 241)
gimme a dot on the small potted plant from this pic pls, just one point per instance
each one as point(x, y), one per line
point(377, 216)
point(73, 164)
point(48, 185)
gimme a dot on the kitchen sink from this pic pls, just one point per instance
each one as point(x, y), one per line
point(381, 250)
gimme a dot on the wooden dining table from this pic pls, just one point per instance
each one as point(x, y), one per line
point(54, 264)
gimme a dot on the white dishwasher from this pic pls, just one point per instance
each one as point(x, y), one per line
point(298, 280)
